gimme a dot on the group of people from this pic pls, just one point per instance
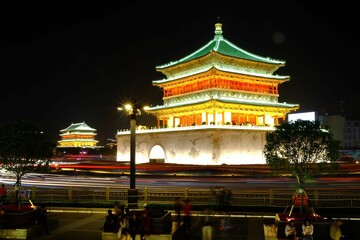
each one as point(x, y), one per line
point(223, 197)
point(127, 224)
point(308, 230)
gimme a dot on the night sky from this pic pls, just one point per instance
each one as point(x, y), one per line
point(63, 64)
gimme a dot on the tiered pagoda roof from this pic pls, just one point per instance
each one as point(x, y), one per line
point(221, 60)
point(78, 135)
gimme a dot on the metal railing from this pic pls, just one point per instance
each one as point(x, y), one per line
point(264, 198)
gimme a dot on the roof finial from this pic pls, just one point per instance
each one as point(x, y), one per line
point(218, 27)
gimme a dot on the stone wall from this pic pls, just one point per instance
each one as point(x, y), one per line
point(202, 146)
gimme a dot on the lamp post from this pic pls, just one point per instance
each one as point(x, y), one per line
point(132, 149)
point(132, 109)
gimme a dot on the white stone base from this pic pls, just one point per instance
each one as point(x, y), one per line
point(200, 146)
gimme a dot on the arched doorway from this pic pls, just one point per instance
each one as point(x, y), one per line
point(157, 154)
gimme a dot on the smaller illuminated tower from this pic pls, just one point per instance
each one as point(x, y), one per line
point(78, 135)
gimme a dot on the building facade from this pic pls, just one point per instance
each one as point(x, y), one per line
point(346, 130)
point(219, 102)
point(78, 138)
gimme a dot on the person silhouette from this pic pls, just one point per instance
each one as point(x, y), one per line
point(111, 222)
point(42, 218)
point(187, 214)
point(335, 230)
point(3, 218)
point(3, 194)
point(307, 230)
point(207, 225)
point(134, 225)
point(290, 230)
point(178, 207)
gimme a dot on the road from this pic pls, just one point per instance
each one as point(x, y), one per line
point(350, 183)
point(89, 225)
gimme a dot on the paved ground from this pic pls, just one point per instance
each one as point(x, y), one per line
point(72, 225)
point(87, 225)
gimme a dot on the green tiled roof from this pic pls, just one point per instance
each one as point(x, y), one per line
point(224, 69)
point(221, 45)
point(78, 127)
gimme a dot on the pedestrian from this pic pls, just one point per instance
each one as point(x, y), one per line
point(307, 230)
point(42, 218)
point(187, 215)
point(218, 191)
point(134, 225)
point(178, 207)
point(118, 209)
point(119, 212)
point(227, 199)
point(144, 224)
point(225, 221)
point(3, 194)
point(3, 218)
point(290, 230)
point(335, 230)
point(207, 225)
point(111, 222)
point(124, 232)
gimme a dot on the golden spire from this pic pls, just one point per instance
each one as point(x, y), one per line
point(218, 27)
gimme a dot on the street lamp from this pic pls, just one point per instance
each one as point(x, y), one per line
point(132, 109)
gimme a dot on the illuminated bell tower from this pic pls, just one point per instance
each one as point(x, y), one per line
point(219, 103)
point(221, 84)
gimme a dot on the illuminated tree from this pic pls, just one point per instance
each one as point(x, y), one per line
point(24, 148)
point(301, 148)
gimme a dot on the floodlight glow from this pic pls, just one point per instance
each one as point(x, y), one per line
point(128, 107)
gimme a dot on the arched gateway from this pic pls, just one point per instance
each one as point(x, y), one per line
point(157, 154)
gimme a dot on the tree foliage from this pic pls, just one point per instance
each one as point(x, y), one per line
point(24, 148)
point(302, 148)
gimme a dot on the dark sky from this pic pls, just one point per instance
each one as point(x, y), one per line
point(62, 64)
